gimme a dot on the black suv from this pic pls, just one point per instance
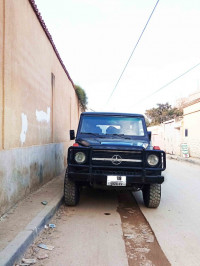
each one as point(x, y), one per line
point(113, 151)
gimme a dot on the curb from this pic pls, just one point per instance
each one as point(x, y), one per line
point(188, 160)
point(18, 246)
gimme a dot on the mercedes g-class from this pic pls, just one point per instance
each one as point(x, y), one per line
point(114, 151)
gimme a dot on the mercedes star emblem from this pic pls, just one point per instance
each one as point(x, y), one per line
point(116, 159)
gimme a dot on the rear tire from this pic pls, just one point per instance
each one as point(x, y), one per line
point(71, 192)
point(152, 195)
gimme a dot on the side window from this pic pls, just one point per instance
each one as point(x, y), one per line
point(141, 129)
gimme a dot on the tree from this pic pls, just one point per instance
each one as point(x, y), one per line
point(82, 97)
point(162, 113)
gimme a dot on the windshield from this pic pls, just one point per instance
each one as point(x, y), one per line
point(112, 125)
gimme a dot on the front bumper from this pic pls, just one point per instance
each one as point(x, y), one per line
point(101, 179)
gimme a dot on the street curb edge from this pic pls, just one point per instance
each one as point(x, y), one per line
point(18, 246)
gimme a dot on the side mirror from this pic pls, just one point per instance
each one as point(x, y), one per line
point(72, 134)
point(149, 135)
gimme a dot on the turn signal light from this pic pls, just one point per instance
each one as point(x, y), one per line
point(156, 147)
point(75, 145)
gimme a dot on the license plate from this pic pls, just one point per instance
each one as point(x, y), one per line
point(117, 181)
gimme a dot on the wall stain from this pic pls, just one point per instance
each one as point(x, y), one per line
point(3, 199)
point(23, 177)
point(36, 175)
point(65, 161)
point(41, 174)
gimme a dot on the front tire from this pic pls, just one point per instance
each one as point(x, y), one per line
point(71, 192)
point(152, 195)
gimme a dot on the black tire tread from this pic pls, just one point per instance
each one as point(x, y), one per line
point(71, 192)
point(152, 195)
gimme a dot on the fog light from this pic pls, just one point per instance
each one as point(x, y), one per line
point(80, 157)
point(152, 160)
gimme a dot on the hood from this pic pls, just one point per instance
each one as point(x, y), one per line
point(113, 142)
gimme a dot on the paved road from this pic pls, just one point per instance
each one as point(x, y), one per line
point(176, 223)
point(85, 235)
point(105, 229)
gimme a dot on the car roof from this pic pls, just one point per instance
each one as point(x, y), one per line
point(111, 114)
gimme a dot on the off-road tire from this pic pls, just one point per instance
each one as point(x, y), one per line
point(71, 192)
point(152, 195)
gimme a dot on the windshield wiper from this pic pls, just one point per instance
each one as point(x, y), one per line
point(120, 135)
point(93, 134)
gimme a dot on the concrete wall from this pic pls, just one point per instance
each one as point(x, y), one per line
point(1, 66)
point(38, 105)
point(171, 134)
point(192, 124)
point(173, 137)
point(168, 136)
point(157, 136)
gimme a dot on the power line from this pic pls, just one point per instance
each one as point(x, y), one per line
point(132, 52)
point(167, 84)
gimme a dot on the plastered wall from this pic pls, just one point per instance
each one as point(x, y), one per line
point(38, 105)
point(1, 68)
point(35, 113)
point(168, 136)
point(192, 124)
point(171, 134)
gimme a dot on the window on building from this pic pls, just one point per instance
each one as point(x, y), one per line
point(186, 132)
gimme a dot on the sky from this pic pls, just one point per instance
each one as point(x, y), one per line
point(95, 38)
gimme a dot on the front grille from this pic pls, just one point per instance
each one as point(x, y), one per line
point(121, 173)
point(117, 158)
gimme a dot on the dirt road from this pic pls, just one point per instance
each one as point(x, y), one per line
point(106, 228)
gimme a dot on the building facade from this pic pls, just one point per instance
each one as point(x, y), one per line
point(38, 103)
point(191, 128)
point(176, 135)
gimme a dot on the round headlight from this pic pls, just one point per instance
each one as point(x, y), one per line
point(80, 157)
point(152, 160)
